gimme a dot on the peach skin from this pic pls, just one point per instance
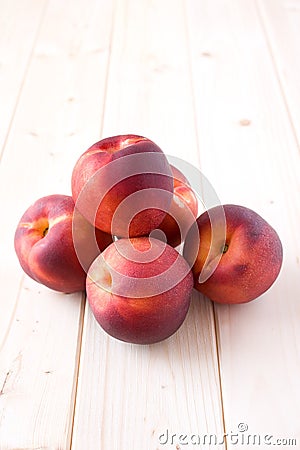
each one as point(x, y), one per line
point(45, 247)
point(182, 213)
point(139, 290)
point(241, 260)
point(123, 185)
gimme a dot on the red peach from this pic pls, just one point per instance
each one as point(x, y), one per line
point(123, 185)
point(182, 213)
point(45, 247)
point(238, 257)
point(139, 290)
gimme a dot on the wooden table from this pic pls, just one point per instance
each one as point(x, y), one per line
point(217, 83)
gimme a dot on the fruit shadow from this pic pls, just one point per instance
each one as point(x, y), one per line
point(179, 374)
point(189, 352)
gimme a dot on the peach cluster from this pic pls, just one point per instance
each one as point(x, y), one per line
point(117, 237)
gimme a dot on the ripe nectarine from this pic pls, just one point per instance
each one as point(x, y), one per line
point(182, 213)
point(123, 185)
point(139, 290)
point(45, 247)
point(240, 257)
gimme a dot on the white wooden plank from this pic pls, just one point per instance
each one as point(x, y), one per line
point(250, 155)
point(37, 370)
point(19, 25)
point(146, 394)
point(126, 393)
point(149, 90)
point(281, 23)
point(58, 116)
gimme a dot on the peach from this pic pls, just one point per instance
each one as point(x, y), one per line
point(123, 185)
point(182, 213)
point(44, 243)
point(235, 254)
point(139, 290)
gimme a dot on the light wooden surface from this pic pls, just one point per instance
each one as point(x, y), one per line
point(215, 82)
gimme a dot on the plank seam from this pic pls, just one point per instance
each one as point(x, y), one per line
point(83, 313)
point(190, 71)
point(199, 162)
point(77, 367)
point(108, 67)
point(13, 313)
point(216, 327)
point(26, 70)
point(276, 71)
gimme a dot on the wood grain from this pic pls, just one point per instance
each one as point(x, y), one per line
point(281, 23)
point(130, 395)
point(55, 121)
point(142, 395)
point(16, 51)
point(251, 156)
point(215, 83)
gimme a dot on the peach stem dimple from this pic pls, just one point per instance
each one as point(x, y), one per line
point(42, 226)
point(225, 248)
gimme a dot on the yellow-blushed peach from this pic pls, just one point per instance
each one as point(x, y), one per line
point(123, 185)
point(139, 290)
point(243, 251)
point(44, 243)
